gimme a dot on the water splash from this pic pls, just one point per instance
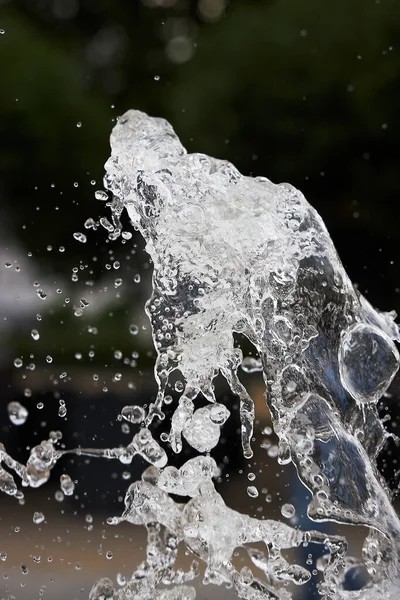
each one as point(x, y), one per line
point(234, 254)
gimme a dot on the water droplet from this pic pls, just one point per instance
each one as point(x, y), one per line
point(79, 124)
point(62, 409)
point(252, 491)
point(80, 237)
point(18, 363)
point(67, 485)
point(17, 413)
point(179, 386)
point(59, 496)
point(133, 329)
point(133, 414)
point(38, 517)
point(35, 334)
point(109, 555)
point(288, 511)
point(101, 195)
point(49, 359)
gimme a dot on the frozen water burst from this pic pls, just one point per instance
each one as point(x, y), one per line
point(235, 254)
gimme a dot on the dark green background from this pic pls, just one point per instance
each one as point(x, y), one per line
point(306, 92)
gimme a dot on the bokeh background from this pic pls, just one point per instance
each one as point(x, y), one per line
point(306, 92)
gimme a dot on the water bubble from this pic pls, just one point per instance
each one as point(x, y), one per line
point(17, 413)
point(89, 518)
point(38, 517)
point(251, 476)
point(136, 278)
point(133, 329)
point(79, 124)
point(24, 570)
point(35, 334)
point(3, 556)
point(80, 237)
point(18, 363)
point(2, 31)
point(8, 265)
point(109, 555)
point(117, 354)
point(49, 359)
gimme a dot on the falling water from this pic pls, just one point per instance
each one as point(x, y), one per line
point(241, 255)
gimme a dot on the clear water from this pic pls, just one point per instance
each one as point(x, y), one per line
point(235, 254)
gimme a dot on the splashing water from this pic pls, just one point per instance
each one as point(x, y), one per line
point(234, 254)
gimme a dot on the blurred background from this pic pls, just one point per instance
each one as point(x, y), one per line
point(304, 92)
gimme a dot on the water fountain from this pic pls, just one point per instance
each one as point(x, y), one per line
point(241, 255)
